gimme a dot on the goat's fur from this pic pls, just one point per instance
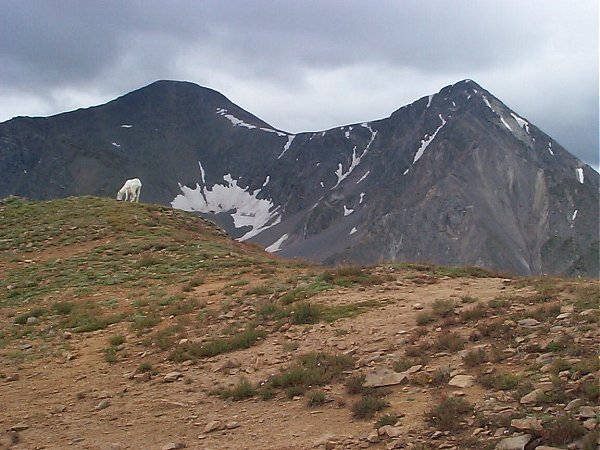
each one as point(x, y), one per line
point(130, 190)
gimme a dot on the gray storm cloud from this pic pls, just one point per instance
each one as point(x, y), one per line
point(309, 65)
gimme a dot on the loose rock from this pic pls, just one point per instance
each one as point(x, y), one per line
point(514, 443)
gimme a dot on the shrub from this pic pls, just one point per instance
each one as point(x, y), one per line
point(440, 376)
point(144, 367)
point(499, 381)
point(447, 414)
point(63, 308)
point(477, 312)
point(563, 430)
point(192, 350)
point(475, 357)
point(304, 313)
point(315, 398)
point(367, 406)
point(387, 419)
point(400, 365)
point(241, 391)
point(452, 342)
point(443, 307)
point(110, 355)
point(312, 369)
point(354, 384)
point(116, 340)
point(424, 317)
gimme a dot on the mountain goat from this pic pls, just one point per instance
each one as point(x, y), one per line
point(130, 190)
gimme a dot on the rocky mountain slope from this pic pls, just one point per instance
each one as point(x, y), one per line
point(143, 327)
point(454, 178)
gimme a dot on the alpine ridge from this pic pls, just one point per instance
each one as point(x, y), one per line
point(455, 178)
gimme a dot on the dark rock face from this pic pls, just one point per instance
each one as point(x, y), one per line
point(455, 178)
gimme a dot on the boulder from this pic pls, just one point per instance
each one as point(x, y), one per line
point(514, 442)
point(462, 381)
point(384, 377)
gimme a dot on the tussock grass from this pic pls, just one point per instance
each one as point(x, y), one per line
point(193, 351)
point(368, 406)
point(242, 390)
point(447, 414)
point(310, 370)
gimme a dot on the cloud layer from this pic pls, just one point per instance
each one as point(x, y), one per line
point(309, 65)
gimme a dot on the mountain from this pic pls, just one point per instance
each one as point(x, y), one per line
point(455, 178)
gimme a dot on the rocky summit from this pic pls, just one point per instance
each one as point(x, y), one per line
point(455, 178)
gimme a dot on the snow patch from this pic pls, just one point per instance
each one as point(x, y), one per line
point(580, 175)
point(550, 148)
point(347, 133)
point(341, 175)
point(347, 211)
point(522, 122)
point(270, 130)
point(406, 171)
point(428, 140)
point(126, 125)
point(202, 174)
point(266, 181)
point(234, 120)
point(362, 196)
point(364, 176)
point(505, 124)
point(352, 231)
point(287, 145)
point(116, 145)
point(429, 100)
point(276, 246)
point(574, 215)
point(243, 206)
point(322, 185)
point(487, 103)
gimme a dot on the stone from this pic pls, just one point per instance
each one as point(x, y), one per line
point(529, 323)
point(325, 439)
point(19, 427)
point(373, 437)
point(12, 377)
point(173, 446)
point(587, 412)
point(172, 376)
point(527, 424)
point(532, 398)
point(590, 424)
point(32, 320)
point(418, 306)
point(232, 425)
point(146, 376)
point(462, 381)
point(573, 404)
point(213, 425)
point(102, 405)
point(384, 377)
point(514, 442)
point(390, 431)
point(546, 447)
point(413, 369)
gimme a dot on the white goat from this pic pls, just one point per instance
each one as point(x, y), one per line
point(130, 190)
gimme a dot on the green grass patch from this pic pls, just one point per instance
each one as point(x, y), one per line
point(448, 413)
point(193, 351)
point(241, 391)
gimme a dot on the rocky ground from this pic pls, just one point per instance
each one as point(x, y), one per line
point(149, 329)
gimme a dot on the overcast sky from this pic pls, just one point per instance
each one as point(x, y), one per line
point(309, 65)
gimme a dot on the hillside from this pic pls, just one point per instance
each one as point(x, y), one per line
point(135, 326)
point(454, 178)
